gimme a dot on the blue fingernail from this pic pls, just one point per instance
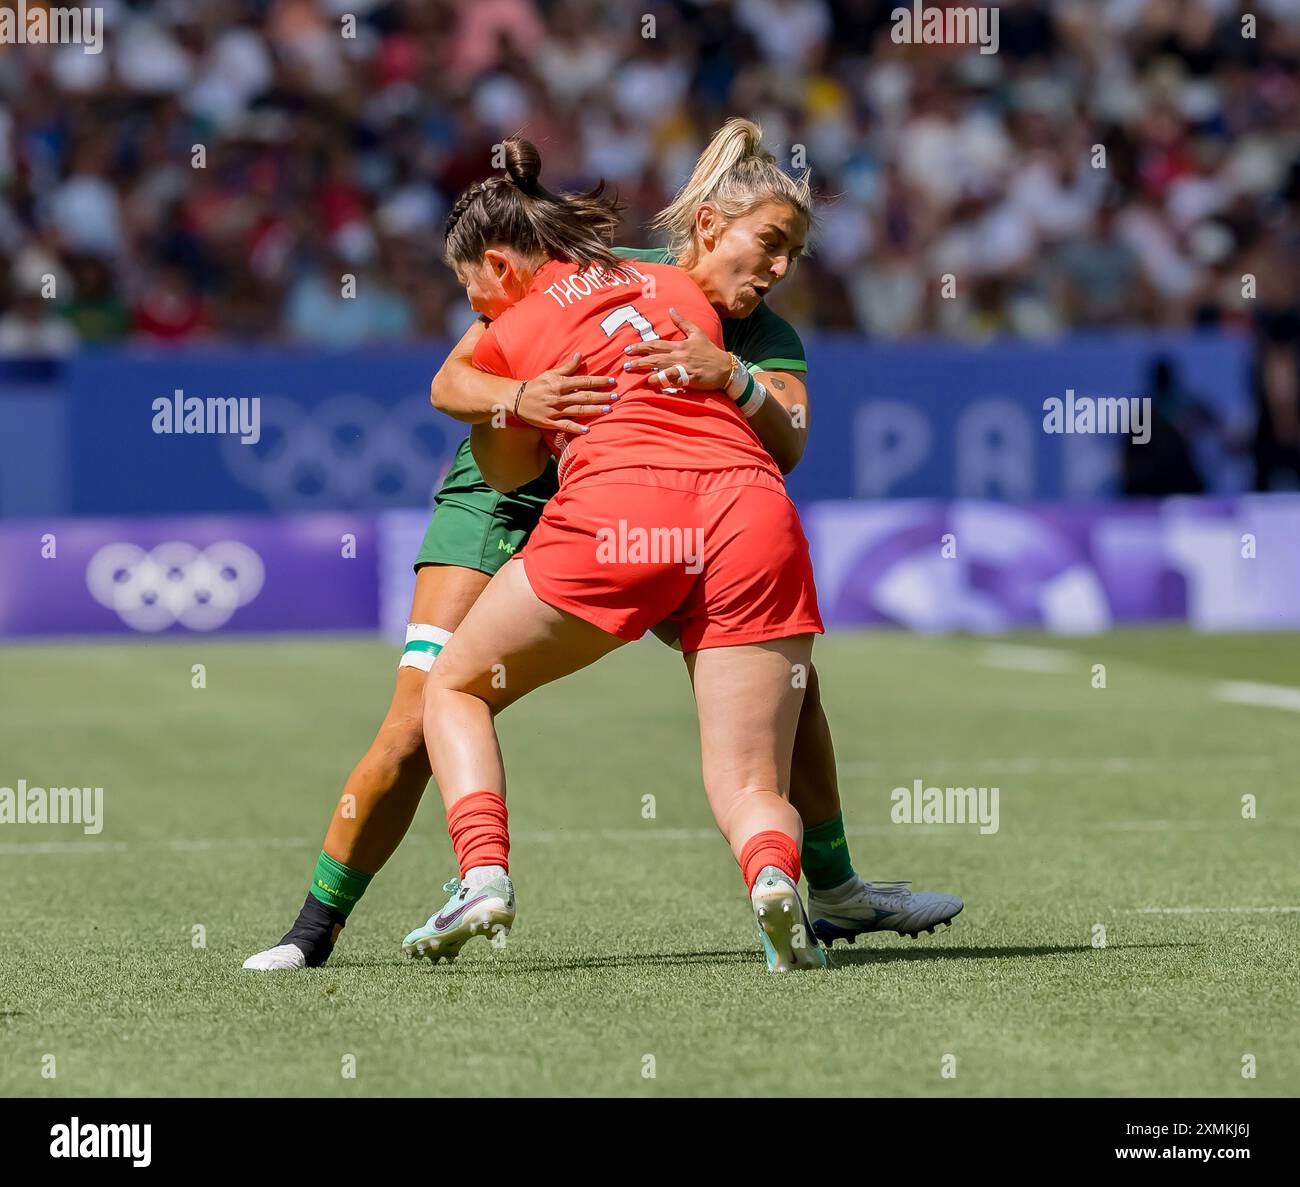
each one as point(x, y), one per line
point(604, 407)
point(611, 379)
point(614, 396)
point(627, 366)
point(627, 350)
point(584, 428)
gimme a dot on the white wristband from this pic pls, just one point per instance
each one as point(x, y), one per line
point(738, 380)
point(755, 401)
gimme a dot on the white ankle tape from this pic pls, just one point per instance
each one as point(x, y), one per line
point(422, 646)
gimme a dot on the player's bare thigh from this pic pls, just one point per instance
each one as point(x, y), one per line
point(512, 642)
point(748, 699)
point(444, 594)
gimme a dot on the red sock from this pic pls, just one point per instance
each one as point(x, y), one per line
point(770, 848)
point(480, 831)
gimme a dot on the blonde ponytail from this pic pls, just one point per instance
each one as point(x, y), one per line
point(735, 173)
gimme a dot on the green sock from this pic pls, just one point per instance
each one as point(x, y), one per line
point(825, 854)
point(336, 885)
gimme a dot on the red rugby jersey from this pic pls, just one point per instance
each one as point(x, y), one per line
point(598, 313)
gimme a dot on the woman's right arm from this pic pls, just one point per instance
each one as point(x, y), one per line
point(549, 402)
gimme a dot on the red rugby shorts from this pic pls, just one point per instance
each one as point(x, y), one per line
point(721, 554)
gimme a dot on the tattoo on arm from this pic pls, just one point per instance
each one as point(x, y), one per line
point(779, 384)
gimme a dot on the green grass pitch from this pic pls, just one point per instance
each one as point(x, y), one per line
point(635, 951)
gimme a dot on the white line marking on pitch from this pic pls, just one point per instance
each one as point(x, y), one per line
point(647, 832)
point(177, 845)
point(1269, 696)
point(1212, 910)
point(18, 848)
point(1027, 659)
point(545, 835)
point(199, 844)
point(1059, 766)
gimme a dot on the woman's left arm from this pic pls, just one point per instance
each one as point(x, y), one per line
point(781, 421)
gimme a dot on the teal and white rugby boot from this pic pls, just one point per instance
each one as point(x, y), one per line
point(486, 909)
point(789, 942)
point(859, 907)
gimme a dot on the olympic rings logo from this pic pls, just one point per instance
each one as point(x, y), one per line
point(175, 583)
point(350, 451)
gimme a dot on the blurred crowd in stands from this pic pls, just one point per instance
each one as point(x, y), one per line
point(217, 169)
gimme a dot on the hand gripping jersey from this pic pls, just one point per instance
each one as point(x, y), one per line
point(599, 313)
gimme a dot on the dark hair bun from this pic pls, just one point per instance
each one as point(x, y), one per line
point(523, 164)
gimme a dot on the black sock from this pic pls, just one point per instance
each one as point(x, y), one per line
point(316, 930)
